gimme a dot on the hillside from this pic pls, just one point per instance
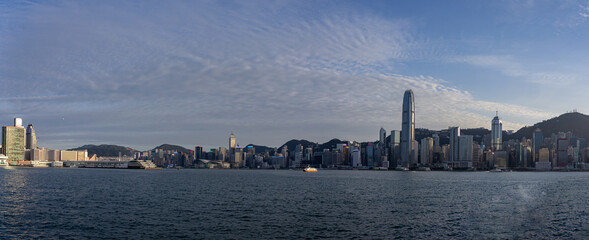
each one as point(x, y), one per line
point(331, 144)
point(105, 150)
point(290, 145)
point(260, 149)
point(575, 122)
point(170, 147)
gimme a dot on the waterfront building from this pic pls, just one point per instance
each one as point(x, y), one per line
point(543, 155)
point(444, 153)
point(395, 147)
point(308, 154)
point(427, 147)
point(537, 141)
point(408, 128)
point(436, 139)
point(562, 147)
point(454, 133)
point(477, 156)
point(489, 158)
point(382, 141)
point(232, 146)
point(284, 151)
point(370, 155)
point(465, 151)
point(496, 133)
point(31, 139)
point(345, 155)
point(222, 154)
point(500, 160)
point(237, 158)
point(13, 142)
point(197, 153)
point(38, 154)
point(414, 152)
point(356, 158)
point(298, 156)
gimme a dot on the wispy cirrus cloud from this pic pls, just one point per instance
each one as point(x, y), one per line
point(190, 72)
point(510, 66)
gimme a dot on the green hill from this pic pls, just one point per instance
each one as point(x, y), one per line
point(105, 150)
point(170, 147)
point(575, 122)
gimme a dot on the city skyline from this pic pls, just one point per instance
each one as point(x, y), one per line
point(139, 75)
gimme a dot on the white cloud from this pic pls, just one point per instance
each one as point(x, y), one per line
point(510, 66)
point(189, 73)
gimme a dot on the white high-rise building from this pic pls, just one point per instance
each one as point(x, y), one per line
point(454, 144)
point(356, 161)
point(18, 122)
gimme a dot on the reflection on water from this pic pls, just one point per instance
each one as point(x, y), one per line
point(102, 203)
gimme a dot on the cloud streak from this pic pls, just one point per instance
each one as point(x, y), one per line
point(188, 73)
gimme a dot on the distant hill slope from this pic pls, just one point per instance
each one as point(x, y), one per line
point(170, 147)
point(105, 150)
point(331, 144)
point(575, 122)
point(290, 145)
point(260, 149)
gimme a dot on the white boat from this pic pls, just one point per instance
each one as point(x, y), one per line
point(496, 170)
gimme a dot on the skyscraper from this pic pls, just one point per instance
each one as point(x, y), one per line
point(496, 133)
point(454, 144)
point(13, 141)
point(407, 128)
point(382, 141)
point(537, 139)
point(427, 151)
point(232, 142)
point(382, 137)
point(232, 146)
point(31, 137)
point(395, 147)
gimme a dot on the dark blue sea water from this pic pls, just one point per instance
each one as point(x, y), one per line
point(234, 204)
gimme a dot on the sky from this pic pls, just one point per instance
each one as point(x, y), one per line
point(144, 73)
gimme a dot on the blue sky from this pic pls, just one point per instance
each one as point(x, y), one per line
point(142, 73)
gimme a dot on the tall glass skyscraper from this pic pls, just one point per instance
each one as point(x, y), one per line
point(407, 128)
point(496, 133)
point(382, 141)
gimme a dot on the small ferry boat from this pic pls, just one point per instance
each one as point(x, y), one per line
point(310, 169)
point(496, 170)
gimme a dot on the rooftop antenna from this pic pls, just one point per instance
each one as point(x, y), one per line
point(496, 113)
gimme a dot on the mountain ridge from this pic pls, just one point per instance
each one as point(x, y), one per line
point(575, 122)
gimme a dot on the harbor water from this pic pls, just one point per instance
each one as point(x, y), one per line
point(49, 203)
